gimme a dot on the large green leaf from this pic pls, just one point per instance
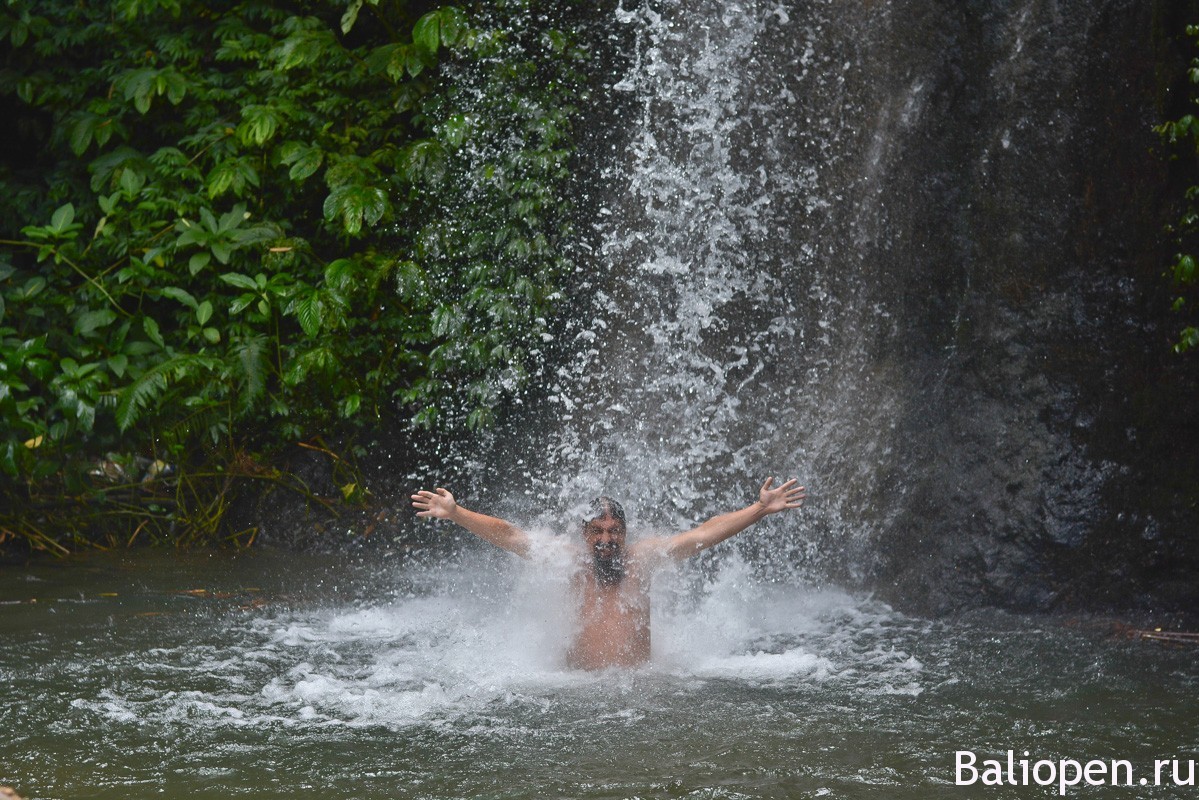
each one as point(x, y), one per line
point(92, 320)
point(240, 281)
point(438, 28)
point(182, 295)
point(308, 311)
point(303, 159)
point(426, 33)
point(63, 217)
point(355, 205)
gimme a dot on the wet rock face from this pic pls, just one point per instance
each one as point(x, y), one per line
point(1035, 331)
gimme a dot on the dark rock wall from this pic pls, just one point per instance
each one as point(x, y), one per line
point(1046, 457)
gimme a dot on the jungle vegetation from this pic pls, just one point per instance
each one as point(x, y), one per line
point(233, 227)
point(1182, 135)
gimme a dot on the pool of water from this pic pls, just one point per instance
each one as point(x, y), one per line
point(272, 675)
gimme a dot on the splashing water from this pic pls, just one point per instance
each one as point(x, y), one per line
point(464, 638)
point(447, 681)
point(439, 642)
point(837, 245)
point(716, 343)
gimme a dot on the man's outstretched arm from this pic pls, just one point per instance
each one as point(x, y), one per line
point(441, 504)
point(719, 528)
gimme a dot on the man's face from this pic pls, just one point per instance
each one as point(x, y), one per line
point(605, 538)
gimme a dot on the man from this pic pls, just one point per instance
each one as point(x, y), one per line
point(614, 627)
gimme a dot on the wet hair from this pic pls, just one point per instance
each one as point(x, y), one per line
point(604, 506)
point(608, 572)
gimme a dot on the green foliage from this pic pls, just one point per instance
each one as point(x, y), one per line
point(250, 224)
point(1183, 135)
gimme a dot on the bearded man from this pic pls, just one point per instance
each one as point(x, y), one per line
point(611, 579)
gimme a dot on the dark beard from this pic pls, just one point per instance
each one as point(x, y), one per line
point(608, 571)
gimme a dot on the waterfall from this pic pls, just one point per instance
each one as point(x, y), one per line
point(878, 247)
point(721, 340)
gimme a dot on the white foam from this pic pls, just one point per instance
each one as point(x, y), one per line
point(488, 635)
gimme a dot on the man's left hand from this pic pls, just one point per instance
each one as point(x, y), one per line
point(788, 495)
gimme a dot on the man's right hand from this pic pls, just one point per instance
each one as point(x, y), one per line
point(440, 503)
point(434, 504)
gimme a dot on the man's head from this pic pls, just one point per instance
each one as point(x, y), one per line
point(604, 531)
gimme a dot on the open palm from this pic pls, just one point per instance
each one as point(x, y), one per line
point(782, 497)
point(439, 504)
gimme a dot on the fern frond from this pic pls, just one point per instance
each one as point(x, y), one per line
point(252, 358)
point(137, 396)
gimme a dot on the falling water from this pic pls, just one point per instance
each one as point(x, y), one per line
point(838, 245)
point(720, 337)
